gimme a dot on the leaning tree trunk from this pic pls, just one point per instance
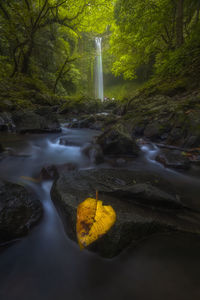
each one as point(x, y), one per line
point(60, 74)
point(179, 23)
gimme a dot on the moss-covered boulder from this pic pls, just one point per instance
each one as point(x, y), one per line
point(117, 141)
point(35, 122)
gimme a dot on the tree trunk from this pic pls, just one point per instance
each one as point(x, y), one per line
point(197, 16)
point(179, 23)
point(26, 58)
point(60, 74)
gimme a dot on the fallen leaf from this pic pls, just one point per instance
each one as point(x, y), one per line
point(93, 221)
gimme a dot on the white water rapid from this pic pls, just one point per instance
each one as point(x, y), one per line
point(98, 70)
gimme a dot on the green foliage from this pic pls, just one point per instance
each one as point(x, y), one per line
point(120, 91)
point(40, 38)
point(182, 61)
point(160, 35)
point(50, 43)
point(80, 104)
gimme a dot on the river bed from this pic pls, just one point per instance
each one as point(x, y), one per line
point(47, 265)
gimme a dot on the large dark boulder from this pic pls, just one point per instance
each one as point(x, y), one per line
point(141, 202)
point(33, 122)
point(19, 211)
point(117, 141)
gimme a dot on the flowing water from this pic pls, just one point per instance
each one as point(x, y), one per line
point(46, 265)
point(99, 93)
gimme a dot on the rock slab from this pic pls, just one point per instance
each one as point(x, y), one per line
point(141, 201)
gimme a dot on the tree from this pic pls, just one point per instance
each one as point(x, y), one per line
point(145, 32)
point(41, 36)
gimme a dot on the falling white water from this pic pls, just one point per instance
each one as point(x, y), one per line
point(98, 70)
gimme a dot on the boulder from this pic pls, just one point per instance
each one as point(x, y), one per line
point(6, 122)
point(158, 130)
point(192, 141)
point(152, 130)
point(176, 137)
point(95, 121)
point(32, 122)
point(19, 211)
point(141, 202)
point(52, 171)
point(173, 159)
point(117, 141)
point(93, 152)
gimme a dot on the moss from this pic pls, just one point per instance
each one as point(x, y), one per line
point(81, 104)
point(25, 93)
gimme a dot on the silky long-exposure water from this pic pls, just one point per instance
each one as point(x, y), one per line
point(46, 265)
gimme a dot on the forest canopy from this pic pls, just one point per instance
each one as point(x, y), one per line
point(40, 38)
point(154, 34)
point(53, 40)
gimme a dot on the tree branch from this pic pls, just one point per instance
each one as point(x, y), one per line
point(197, 15)
point(6, 14)
point(164, 39)
point(27, 4)
point(39, 15)
point(77, 15)
point(61, 71)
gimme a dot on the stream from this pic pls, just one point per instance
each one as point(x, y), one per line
point(47, 265)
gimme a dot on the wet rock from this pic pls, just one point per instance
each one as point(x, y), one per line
point(158, 130)
point(52, 172)
point(176, 137)
point(147, 194)
point(121, 162)
point(116, 141)
point(141, 202)
point(1, 148)
point(6, 122)
point(86, 122)
point(173, 159)
point(32, 122)
point(19, 211)
point(94, 121)
point(93, 152)
point(67, 141)
point(152, 130)
point(192, 141)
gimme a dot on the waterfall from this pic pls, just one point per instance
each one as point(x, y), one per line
point(98, 70)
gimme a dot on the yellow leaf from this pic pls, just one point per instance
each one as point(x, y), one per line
point(93, 221)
